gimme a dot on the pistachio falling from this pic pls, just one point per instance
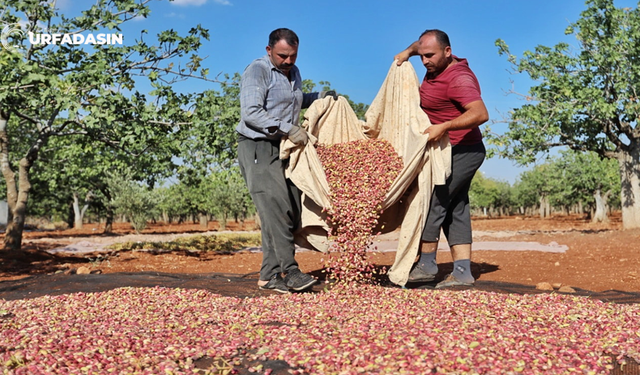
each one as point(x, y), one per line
point(359, 174)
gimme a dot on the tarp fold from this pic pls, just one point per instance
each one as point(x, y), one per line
point(395, 115)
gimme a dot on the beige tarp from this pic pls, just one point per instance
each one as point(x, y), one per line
point(395, 115)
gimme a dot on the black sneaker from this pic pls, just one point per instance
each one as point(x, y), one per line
point(298, 281)
point(276, 283)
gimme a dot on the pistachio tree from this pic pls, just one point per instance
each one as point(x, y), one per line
point(589, 181)
point(81, 179)
point(538, 187)
point(584, 97)
point(94, 91)
point(489, 195)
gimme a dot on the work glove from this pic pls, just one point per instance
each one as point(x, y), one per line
point(298, 136)
point(324, 94)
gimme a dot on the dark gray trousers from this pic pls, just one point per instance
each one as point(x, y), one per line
point(277, 200)
point(449, 207)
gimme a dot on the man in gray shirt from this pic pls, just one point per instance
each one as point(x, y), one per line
point(271, 99)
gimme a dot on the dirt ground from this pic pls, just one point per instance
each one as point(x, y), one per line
point(598, 257)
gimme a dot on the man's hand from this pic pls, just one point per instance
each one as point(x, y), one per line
point(324, 94)
point(298, 136)
point(436, 132)
point(402, 57)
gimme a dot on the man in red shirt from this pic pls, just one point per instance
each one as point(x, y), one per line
point(450, 95)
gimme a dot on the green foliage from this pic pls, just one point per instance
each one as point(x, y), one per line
point(309, 86)
point(228, 195)
point(173, 202)
point(489, 193)
point(569, 179)
point(586, 100)
point(541, 181)
point(90, 95)
point(220, 243)
point(80, 167)
point(136, 202)
point(210, 138)
point(584, 173)
point(76, 113)
point(222, 193)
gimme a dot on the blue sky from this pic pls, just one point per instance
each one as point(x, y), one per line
point(351, 44)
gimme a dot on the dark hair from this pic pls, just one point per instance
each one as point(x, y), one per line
point(288, 35)
point(441, 36)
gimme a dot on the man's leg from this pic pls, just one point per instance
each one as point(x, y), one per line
point(465, 161)
point(458, 233)
point(264, 173)
point(426, 268)
point(457, 227)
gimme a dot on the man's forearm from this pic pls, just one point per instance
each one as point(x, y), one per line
point(413, 48)
point(403, 56)
point(475, 115)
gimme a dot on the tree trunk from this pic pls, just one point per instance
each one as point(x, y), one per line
point(17, 195)
point(544, 207)
point(547, 207)
point(222, 220)
point(78, 214)
point(18, 208)
point(629, 163)
point(108, 225)
point(600, 214)
point(256, 219)
point(204, 221)
point(10, 179)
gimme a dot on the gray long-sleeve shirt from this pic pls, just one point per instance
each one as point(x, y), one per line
point(269, 100)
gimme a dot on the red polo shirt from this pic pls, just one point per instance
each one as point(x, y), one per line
point(443, 99)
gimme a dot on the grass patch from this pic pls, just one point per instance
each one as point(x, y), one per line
point(225, 242)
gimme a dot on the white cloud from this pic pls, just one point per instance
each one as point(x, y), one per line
point(189, 2)
point(175, 15)
point(199, 2)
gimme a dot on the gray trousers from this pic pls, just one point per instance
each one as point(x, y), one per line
point(449, 207)
point(277, 200)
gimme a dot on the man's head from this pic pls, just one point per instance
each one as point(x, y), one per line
point(435, 51)
point(283, 49)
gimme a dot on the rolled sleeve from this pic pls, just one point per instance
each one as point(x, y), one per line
point(309, 98)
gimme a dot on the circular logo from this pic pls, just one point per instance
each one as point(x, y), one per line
point(11, 31)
